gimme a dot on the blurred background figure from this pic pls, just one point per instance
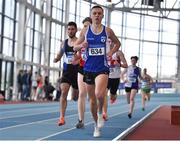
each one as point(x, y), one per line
point(146, 84)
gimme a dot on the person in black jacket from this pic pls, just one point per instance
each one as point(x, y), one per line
point(48, 88)
point(19, 84)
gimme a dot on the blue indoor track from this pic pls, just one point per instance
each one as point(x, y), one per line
point(38, 121)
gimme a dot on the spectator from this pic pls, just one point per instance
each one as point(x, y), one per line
point(19, 84)
point(29, 83)
point(39, 92)
point(34, 85)
point(58, 90)
point(48, 89)
point(24, 86)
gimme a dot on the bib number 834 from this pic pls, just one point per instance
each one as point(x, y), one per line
point(96, 51)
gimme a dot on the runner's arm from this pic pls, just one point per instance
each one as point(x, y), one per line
point(115, 40)
point(122, 75)
point(122, 59)
point(79, 44)
point(151, 79)
point(60, 53)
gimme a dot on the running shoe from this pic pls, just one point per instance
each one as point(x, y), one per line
point(97, 132)
point(100, 121)
point(75, 97)
point(130, 115)
point(113, 99)
point(105, 117)
point(61, 121)
point(80, 124)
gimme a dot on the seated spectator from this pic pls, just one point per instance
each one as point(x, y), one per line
point(57, 93)
point(48, 89)
point(39, 92)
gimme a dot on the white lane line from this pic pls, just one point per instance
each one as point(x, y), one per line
point(19, 125)
point(25, 124)
point(35, 110)
point(24, 115)
point(60, 132)
point(40, 121)
point(25, 109)
point(135, 125)
point(51, 135)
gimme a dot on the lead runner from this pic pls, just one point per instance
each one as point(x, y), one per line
point(96, 69)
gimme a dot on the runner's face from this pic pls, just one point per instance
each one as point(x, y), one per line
point(133, 61)
point(97, 15)
point(71, 31)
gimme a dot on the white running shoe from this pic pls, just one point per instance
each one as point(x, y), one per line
point(97, 132)
point(100, 122)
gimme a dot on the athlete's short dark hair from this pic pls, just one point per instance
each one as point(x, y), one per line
point(72, 24)
point(97, 6)
point(134, 57)
point(87, 19)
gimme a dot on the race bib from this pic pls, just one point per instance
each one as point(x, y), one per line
point(116, 69)
point(128, 84)
point(144, 84)
point(96, 51)
point(132, 80)
point(111, 70)
point(69, 59)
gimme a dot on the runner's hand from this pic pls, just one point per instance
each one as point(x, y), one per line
point(109, 55)
point(84, 44)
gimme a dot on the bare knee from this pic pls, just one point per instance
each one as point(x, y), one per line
point(99, 95)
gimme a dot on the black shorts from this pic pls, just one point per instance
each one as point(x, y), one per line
point(80, 70)
point(70, 77)
point(89, 77)
point(113, 84)
point(128, 89)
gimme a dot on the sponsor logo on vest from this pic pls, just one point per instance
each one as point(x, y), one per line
point(90, 39)
point(103, 39)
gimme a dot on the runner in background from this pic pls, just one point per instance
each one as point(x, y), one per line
point(115, 63)
point(70, 70)
point(133, 74)
point(146, 83)
point(81, 85)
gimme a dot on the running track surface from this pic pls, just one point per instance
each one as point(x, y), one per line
point(159, 121)
point(38, 121)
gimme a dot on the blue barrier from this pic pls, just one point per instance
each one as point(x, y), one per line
point(156, 85)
